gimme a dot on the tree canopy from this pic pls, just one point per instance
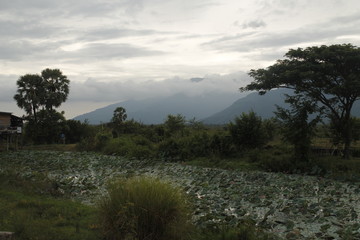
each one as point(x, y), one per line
point(47, 90)
point(328, 75)
point(38, 95)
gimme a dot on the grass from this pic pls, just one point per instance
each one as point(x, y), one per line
point(51, 147)
point(144, 208)
point(42, 216)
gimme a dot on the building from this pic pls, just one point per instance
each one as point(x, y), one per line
point(10, 129)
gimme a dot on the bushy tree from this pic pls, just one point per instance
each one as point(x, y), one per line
point(247, 131)
point(38, 96)
point(175, 124)
point(56, 87)
point(118, 120)
point(328, 75)
point(30, 94)
point(298, 125)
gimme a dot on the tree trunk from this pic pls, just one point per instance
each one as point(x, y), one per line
point(347, 136)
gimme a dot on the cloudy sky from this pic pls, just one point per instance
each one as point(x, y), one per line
point(113, 50)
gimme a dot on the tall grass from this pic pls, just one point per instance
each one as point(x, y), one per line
point(144, 208)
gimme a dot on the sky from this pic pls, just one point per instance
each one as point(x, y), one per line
point(115, 50)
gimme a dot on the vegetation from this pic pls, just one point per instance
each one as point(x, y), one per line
point(38, 96)
point(236, 203)
point(32, 210)
point(328, 75)
point(145, 209)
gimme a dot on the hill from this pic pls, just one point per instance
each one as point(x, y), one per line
point(155, 110)
point(263, 105)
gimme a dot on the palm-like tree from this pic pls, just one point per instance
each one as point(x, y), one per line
point(57, 88)
point(29, 94)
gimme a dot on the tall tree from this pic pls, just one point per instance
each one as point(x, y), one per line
point(298, 127)
point(30, 93)
point(57, 88)
point(328, 75)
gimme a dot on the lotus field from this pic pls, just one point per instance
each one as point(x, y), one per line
point(303, 207)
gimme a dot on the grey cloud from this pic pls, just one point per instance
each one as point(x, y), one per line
point(252, 24)
point(112, 33)
point(97, 90)
point(110, 51)
point(17, 50)
point(8, 87)
point(10, 29)
point(327, 31)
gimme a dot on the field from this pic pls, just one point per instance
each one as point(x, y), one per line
point(291, 206)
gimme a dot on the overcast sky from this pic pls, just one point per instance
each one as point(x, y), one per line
point(113, 50)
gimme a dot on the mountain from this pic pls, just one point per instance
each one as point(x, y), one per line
point(263, 105)
point(155, 110)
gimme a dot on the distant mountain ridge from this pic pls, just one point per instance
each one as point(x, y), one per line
point(155, 110)
point(262, 105)
point(210, 108)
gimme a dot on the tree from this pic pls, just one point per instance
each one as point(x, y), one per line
point(118, 120)
point(30, 93)
point(38, 95)
point(327, 75)
point(298, 129)
point(119, 115)
point(175, 124)
point(47, 91)
point(247, 131)
point(56, 86)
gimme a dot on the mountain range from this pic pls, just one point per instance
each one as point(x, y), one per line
point(210, 108)
point(155, 110)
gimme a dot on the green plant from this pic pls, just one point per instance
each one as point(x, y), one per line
point(247, 131)
point(144, 208)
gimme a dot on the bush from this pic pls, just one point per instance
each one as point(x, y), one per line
point(248, 131)
point(144, 208)
point(130, 146)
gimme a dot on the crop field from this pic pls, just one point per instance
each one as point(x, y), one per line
point(305, 207)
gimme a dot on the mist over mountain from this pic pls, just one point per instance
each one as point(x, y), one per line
point(262, 105)
point(155, 110)
point(210, 108)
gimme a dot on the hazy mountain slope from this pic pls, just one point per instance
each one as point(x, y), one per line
point(263, 105)
point(155, 110)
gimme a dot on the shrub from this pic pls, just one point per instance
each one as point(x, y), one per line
point(135, 146)
point(144, 208)
point(248, 131)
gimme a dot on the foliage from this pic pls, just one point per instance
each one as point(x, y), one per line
point(130, 146)
point(40, 216)
point(38, 96)
point(315, 207)
point(117, 121)
point(144, 208)
point(75, 131)
point(328, 75)
point(245, 231)
point(48, 128)
point(298, 129)
point(48, 91)
point(175, 125)
point(248, 131)
point(30, 94)
point(56, 86)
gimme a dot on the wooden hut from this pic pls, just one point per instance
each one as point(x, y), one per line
point(10, 129)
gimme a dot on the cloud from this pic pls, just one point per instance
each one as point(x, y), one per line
point(322, 32)
point(8, 87)
point(114, 33)
point(97, 90)
point(258, 23)
point(104, 51)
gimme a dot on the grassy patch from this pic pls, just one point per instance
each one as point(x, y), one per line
point(39, 216)
point(52, 147)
